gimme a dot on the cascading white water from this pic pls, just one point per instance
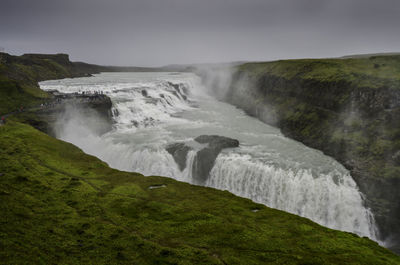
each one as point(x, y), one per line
point(330, 199)
point(153, 110)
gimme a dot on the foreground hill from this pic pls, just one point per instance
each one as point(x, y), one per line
point(348, 108)
point(62, 206)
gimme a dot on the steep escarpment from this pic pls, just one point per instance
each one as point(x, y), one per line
point(348, 108)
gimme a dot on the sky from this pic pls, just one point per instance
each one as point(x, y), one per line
point(161, 32)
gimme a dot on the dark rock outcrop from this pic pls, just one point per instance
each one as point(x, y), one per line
point(144, 93)
point(179, 151)
point(180, 90)
point(88, 105)
point(205, 157)
point(217, 142)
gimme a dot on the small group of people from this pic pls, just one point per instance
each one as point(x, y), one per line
point(3, 120)
point(46, 104)
point(94, 92)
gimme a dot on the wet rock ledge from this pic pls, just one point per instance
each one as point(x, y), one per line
point(48, 113)
point(208, 148)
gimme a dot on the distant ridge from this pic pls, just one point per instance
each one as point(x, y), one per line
point(367, 55)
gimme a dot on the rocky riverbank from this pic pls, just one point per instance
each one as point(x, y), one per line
point(46, 116)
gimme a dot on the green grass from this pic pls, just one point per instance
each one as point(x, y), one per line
point(59, 205)
point(14, 94)
point(370, 72)
point(19, 76)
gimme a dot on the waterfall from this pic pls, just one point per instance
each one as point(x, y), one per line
point(186, 175)
point(331, 200)
point(152, 110)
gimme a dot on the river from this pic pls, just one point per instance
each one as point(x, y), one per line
point(153, 110)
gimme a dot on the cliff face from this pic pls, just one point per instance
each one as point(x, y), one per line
point(95, 108)
point(349, 109)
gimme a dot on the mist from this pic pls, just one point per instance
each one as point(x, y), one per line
point(216, 79)
point(81, 123)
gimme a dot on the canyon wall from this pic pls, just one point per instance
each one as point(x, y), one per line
point(347, 108)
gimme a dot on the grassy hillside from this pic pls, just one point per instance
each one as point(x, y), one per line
point(19, 76)
point(348, 108)
point(13, 95)
point(62, 206)
point(371, 72)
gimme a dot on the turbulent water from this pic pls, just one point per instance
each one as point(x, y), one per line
point(152, 110)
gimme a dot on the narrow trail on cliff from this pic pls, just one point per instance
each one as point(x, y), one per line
point(152, 111)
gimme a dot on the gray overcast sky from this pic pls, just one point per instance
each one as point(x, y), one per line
point(159, 32)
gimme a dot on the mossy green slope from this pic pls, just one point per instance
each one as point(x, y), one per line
point(61, 206)
point(14, 95)
point(19, 76)
point(348, 108)
point(372, 72)
point(341, 103)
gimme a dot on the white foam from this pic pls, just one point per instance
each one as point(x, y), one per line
point(329, 199)
point(268, 168)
